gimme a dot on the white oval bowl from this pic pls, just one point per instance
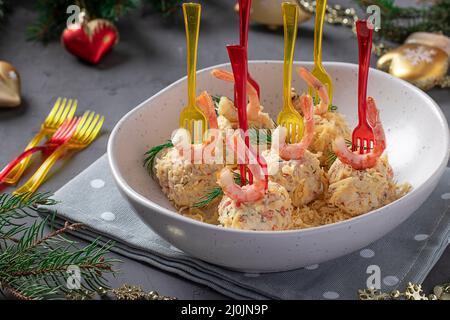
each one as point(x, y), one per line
point(418, 143)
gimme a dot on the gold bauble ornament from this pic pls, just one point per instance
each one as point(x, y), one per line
point(421, 60)
point(9, 85)
point(268, 13)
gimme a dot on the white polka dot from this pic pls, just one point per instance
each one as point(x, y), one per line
point(97, 183)
point(367, 253)
point(390, 280)
point(330, 295)
point(445, 196)
point(252, 275)
point(312, 267)
point(420, 237)
point(108, 216)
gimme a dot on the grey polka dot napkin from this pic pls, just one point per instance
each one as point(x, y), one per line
point(406, 254)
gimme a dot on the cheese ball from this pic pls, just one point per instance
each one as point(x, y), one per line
point(303, 179)
point(328, 127)
point(272, 212)
point(359, 191)
point(182, 181)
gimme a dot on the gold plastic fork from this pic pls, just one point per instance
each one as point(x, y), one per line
point(191, 117)
point(288, 116)
point(319, 71)
point(62, 109)
point(86, 132)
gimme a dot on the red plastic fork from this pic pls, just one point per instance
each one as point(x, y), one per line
point(244, 14)
point(238, 59)
point(362, 137)
point(61, 136)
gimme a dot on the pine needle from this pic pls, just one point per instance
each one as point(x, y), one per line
point(151, 155)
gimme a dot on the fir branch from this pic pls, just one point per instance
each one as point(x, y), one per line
point(166, 7)
point(52, 16)
point(4, 8)
point(399, 22)
point(33, 264)
point(149, 161)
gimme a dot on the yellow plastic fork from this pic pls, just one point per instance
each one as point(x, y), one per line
point(62, 109)
point(87, 130)
point(289, 117)
point(191, 117)
point(319, 71)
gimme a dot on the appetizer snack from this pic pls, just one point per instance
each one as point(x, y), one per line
point(253, 207)
point(292, 165)
point(307, 187)
point(183, 180)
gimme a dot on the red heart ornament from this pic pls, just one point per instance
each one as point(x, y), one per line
point(92, 40)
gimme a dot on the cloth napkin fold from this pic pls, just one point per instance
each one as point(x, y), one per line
point(406, 254)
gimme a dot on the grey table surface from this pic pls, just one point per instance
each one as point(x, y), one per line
point(150, 55)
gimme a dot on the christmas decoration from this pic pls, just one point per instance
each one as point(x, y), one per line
point(412, 291)
point(421, 60)
point(52, 15)
point(90, 40)
point(268, 13)
point(9, 85)
point(397, 22)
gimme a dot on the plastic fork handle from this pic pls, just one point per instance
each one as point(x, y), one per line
point(290, 22)
point(244, 16)
point(14, 175)
point(321, 6)
point(27, 153)
point(364, 35)
point(39, 176)
point(192, 12)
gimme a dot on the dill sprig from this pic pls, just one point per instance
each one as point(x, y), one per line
point(215, 193)
point(205, 200)
point(260, 136)
point(331, 157)
point(150, 156)
point(216, 100)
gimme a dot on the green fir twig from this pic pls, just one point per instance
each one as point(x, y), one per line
point(34, 263)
